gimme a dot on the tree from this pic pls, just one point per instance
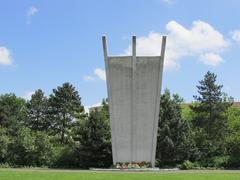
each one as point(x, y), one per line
point(95, 140)
point(31, 148)
point(43, 154)
point(37, 110)
point(210, 119)
point(232, 142)
point(22, 147)
point(65, 110)
point(4, 143)
point(173, 144)
point(12, 112)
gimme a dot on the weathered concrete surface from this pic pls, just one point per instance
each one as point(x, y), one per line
point(134, 85)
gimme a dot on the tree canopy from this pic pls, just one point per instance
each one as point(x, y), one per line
point(55, 131)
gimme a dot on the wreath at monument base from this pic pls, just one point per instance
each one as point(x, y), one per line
point(132, 165)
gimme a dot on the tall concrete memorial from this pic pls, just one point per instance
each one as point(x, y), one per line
point(134, 85)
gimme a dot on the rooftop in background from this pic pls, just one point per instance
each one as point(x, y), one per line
point(96, 108)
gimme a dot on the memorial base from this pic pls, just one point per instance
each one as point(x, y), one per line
point(126, 169)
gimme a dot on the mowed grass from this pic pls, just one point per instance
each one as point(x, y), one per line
point(25, 174)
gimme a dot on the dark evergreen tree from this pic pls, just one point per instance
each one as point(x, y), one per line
point(95, 140)
point(173, 143)
point(210, 119)
point(37, 111)
point(65, 110)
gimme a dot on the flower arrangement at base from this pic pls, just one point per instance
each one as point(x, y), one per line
point(133, 165)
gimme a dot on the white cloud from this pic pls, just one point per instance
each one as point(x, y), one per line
point(88, 78)
point(30, 13)
point(97, 74)
point(100, 73)
point(5, 56)
point(211, 59)
point(28, 95)
point(182, 42)
point(236, 35)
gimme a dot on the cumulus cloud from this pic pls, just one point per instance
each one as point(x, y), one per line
point(100, 73)
point(182, 42)
point(236, 35)
point(211, 59)
point(30, 13)
point(97, 74)
point(5, 56)
point(28, 95)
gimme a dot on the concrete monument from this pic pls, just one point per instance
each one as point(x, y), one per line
point(133, 85)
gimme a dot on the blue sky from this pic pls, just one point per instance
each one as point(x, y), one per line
point(46, 43)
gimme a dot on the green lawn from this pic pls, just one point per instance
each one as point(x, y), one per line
point(25, 174)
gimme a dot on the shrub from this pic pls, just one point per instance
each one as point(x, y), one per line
point(220, 161)
point(65, 157)
point(5, 165)
point(158, 163)
point(187, 165)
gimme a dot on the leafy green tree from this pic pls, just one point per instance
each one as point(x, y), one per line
point(187, 113)
point(31, 148)
point(22, 147)
point(4, 143)
point(12, 112)
point(233, 116)
point(43, 154)
point(173, 144)
point(37, 111)
point(95, 140)
point(65, 110)
point(210, 119)
point(232, 142)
